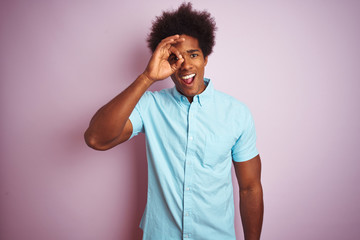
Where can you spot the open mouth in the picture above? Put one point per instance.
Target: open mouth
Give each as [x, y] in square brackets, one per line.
[188, 79]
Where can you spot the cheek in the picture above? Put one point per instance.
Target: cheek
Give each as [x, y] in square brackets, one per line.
[201, 69]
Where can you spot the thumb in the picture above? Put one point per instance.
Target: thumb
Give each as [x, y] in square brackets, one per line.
[175, 66]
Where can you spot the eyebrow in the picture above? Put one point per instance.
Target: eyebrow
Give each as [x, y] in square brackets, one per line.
[192, 51]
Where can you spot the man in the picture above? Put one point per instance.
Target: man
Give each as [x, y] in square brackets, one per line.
[192, 132]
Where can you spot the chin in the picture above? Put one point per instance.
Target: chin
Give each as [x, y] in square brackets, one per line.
[188, 91]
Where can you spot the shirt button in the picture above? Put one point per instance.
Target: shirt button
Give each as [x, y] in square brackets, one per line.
[191, 138]
[186, 236]
[187, 189]
[186, 214]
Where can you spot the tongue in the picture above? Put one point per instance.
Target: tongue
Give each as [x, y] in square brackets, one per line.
[189, 80]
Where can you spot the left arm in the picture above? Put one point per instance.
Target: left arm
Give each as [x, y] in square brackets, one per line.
[248, 174]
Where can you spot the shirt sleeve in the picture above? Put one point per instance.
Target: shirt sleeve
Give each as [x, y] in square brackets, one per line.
[136, 117]
[245, 146]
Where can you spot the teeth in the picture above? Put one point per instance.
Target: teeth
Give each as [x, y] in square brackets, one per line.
[188, 76]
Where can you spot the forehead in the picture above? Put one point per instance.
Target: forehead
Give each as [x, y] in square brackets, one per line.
[190, 43]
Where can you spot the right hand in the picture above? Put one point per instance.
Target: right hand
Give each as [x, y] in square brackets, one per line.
[159, 67]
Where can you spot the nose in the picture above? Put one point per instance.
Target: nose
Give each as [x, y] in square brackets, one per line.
[186, 65]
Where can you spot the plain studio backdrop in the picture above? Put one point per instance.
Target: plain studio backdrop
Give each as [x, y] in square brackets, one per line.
[296, 64]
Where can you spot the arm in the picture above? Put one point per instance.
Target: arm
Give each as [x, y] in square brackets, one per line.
[248, 174]
[110, 125]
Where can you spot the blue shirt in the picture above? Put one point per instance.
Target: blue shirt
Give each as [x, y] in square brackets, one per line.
[190, 148]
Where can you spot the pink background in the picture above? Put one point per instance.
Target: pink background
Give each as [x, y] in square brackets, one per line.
[296, 64]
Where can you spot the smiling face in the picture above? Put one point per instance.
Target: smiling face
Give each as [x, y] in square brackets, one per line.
[189, 78]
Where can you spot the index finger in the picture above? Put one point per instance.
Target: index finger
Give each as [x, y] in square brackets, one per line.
[171, 40]
[175, 51]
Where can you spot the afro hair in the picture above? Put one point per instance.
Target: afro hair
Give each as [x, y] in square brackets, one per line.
[184, 20]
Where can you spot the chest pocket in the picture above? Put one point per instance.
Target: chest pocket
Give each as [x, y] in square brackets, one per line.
[217, 151]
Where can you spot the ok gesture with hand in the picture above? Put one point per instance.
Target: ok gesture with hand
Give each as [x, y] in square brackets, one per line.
[159, 67]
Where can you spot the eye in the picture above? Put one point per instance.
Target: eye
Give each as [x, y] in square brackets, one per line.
[173, 57]
[193, 55]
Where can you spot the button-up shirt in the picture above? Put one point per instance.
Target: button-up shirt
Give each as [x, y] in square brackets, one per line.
[190, 148]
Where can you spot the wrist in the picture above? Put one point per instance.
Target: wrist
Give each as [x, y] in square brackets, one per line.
[146, 79]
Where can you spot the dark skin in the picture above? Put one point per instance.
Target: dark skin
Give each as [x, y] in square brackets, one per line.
[178, 57]
[248, 174]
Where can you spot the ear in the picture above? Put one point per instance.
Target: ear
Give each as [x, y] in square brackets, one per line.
[206, 60]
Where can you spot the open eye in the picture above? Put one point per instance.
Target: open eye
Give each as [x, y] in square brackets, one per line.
[173, 58]
[193, 55]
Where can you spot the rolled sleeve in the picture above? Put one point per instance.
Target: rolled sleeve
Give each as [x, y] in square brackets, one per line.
[136, 115]
[137, 123]
[245, 146]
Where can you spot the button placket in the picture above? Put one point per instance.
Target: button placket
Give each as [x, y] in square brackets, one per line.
[190, 150]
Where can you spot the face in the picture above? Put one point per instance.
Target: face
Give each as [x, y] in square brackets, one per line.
[189, 78]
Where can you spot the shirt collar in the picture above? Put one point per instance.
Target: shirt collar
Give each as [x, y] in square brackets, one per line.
[202, 98]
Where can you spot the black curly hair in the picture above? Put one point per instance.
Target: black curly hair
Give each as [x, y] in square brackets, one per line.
[184, 20]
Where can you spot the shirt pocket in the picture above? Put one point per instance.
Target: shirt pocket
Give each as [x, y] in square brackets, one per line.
[217, 151]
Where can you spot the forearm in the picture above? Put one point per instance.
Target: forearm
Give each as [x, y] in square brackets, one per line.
[109, 121]
[252, 210]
